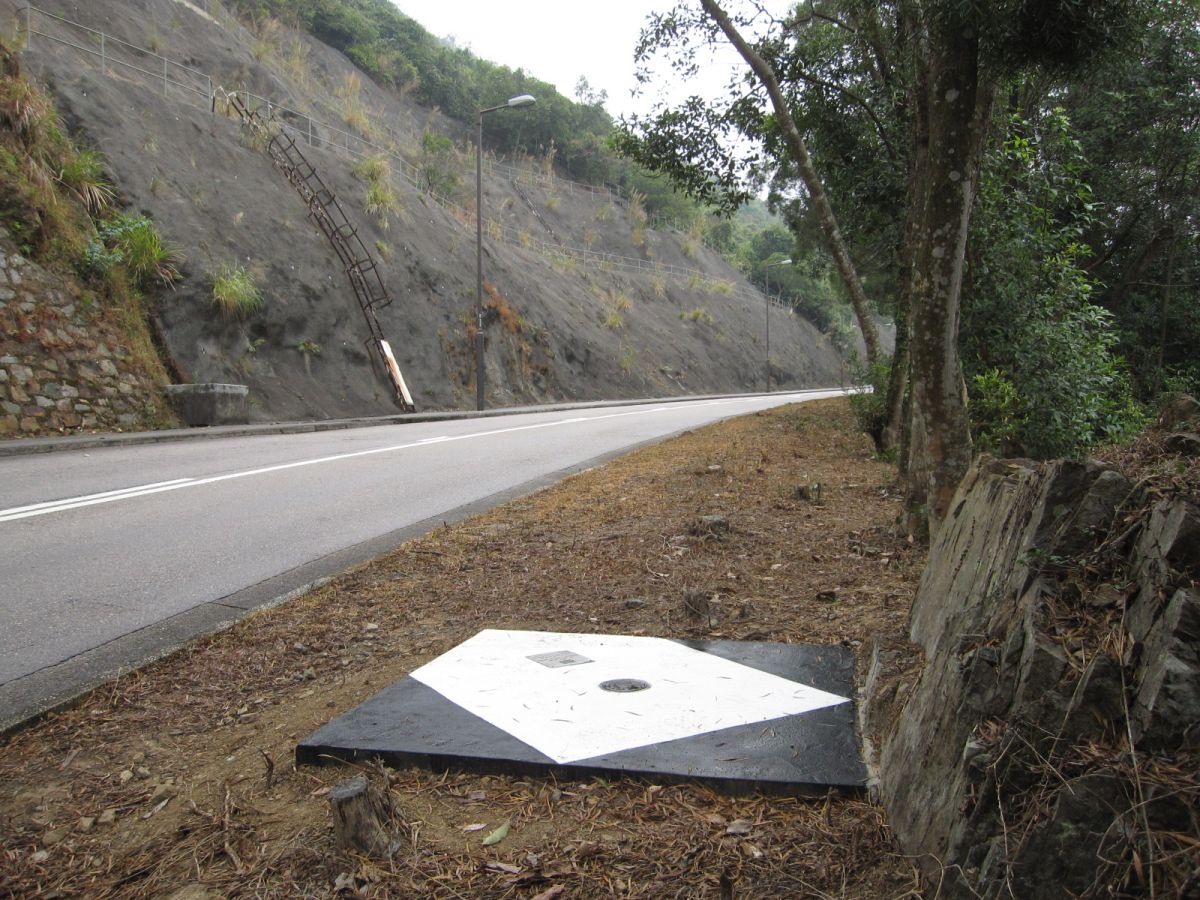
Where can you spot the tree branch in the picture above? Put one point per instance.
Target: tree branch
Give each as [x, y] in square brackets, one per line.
[858, 101]
[816, 190]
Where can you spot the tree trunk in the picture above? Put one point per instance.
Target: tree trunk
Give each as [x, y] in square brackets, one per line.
[959, 100]
[912, 104]
[816, 191]
[894, 434]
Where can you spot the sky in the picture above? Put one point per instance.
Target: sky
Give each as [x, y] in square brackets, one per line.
[557, 42]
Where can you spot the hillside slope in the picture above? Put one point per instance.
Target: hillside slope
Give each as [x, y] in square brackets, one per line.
[560, 328]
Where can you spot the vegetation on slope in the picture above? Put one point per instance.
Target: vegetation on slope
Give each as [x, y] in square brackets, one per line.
[573, 135]
[57, 205]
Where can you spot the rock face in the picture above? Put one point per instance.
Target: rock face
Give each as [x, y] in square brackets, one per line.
[64, 368]
[1059, 621]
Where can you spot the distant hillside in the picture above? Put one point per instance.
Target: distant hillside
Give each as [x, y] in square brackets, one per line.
[585, 299]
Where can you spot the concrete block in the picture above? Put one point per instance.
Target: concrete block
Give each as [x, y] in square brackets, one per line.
[210, 404]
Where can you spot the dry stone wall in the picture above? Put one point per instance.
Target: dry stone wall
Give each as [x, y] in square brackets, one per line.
[1059, 623]
[63, 367]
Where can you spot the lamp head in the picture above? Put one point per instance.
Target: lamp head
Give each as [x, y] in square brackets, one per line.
[522, 100]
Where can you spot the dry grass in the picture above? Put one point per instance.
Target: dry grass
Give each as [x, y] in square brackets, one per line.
[181, 774]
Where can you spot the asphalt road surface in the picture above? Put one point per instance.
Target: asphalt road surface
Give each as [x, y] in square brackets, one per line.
[113, 556]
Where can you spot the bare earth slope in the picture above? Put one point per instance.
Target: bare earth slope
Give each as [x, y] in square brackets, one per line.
[563, 329]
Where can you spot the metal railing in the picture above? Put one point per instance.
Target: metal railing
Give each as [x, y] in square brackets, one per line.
[180, 83]
[114, 53]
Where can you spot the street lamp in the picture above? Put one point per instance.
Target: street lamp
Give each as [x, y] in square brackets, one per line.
[520, 100]
[767, 275]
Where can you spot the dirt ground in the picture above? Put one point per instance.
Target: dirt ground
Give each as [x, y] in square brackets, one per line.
[178, 781]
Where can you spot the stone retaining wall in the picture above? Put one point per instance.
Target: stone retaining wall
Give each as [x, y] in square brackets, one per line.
[63, 367]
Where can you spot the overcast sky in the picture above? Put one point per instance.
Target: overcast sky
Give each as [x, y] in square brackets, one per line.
[556, 41]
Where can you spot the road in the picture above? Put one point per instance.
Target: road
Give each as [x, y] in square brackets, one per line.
[110, 557]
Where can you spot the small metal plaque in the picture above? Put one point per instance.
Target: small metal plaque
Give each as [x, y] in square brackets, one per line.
[624, 685]
[559, 658]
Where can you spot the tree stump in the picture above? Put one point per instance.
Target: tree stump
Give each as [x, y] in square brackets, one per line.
[361, 817]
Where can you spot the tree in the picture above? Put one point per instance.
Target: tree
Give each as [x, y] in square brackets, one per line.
[940, 62]
[1137, 120]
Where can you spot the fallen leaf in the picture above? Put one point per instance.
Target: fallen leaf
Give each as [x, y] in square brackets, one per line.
[158, 808]
[496, 836]
[475, 826]
[550, 893]
[503, 867]
[739, 826]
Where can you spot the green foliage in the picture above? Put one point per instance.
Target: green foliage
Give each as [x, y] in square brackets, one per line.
[868, 401]
[438, 164]
[394, 50]
[1028, 309]
[371, 168]
[379, 198]
[83, 173]
[135, 244]
[697, 314]
[235, 293]
[1138, 121]
[995, 409]
[50, 189]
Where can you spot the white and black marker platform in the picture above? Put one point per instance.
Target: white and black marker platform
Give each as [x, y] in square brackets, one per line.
[739, 715]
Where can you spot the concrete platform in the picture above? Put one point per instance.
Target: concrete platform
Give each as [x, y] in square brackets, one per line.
[736, 715]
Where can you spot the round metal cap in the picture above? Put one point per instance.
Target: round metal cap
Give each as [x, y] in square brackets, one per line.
[624, 685]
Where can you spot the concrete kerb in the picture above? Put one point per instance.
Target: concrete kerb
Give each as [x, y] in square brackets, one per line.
[23, 446]
[26, 700]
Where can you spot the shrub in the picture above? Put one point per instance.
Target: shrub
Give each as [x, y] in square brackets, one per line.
[995, 411]
[379, 200]
[628, 359]
[698, 314]
[438, 165]
[372, 168]
[235, 293]
[83, 173]
[349, 94]
[868, 402]
[132, 242]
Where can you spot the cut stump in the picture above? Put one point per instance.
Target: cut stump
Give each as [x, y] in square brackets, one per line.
[361, 817]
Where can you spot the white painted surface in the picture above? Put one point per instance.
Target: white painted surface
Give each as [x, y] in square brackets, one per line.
[563, 713]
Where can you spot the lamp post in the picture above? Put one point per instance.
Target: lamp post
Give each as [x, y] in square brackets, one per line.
[520, 100]
[767, 274]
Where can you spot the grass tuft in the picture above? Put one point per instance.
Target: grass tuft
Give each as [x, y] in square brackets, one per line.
[235, 293]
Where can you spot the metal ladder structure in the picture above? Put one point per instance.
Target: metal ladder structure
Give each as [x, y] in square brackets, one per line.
[533, 209]
[328, 215]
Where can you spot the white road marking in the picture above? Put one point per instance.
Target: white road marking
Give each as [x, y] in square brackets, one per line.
[158, 487]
